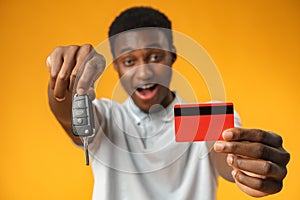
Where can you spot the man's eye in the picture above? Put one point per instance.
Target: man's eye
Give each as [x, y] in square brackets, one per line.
[128, 62]
[155, 57]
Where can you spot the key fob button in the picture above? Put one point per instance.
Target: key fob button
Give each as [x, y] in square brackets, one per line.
[80, 113]
[79, 121]
[79, 104]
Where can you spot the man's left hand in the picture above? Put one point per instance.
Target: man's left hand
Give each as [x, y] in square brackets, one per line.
[257, 158]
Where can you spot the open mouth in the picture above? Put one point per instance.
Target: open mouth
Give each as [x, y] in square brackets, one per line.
[146, 91]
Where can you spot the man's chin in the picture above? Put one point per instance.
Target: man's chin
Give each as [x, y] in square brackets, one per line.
[143, 105]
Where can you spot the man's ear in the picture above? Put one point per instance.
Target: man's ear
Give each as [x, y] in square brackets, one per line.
[174, 53]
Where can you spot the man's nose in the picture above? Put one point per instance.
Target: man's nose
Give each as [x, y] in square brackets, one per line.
[144, 72]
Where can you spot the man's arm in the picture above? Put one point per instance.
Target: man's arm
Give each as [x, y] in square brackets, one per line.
[254, 159]
[68, 66]
[62, 112]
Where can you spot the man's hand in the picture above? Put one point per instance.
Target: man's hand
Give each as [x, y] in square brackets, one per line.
[257, 158]
[70, 65]
[64, 65]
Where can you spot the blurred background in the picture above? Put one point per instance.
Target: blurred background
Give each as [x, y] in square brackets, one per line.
[255, 45]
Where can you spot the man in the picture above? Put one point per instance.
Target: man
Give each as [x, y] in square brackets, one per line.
[134, 155]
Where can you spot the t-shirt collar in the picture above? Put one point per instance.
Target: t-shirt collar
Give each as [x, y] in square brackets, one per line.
[140, 115]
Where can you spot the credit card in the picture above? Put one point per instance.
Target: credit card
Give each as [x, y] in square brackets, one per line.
[202, 122]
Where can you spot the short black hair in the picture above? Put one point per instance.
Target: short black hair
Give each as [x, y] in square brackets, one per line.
[140, 17]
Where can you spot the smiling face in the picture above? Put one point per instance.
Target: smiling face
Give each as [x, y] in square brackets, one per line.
[143, 61]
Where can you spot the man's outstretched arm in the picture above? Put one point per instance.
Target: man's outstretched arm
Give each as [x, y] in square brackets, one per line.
[67, 66]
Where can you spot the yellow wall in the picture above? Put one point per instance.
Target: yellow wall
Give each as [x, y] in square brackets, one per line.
[254, 43]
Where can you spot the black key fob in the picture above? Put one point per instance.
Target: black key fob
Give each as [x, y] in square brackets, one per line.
[82, 116]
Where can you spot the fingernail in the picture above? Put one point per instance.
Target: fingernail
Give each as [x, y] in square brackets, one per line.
[219, 146]
[60, 99]
[233, 173]
[227, 135]
[80, 91]
[229, 159]
[48, 60]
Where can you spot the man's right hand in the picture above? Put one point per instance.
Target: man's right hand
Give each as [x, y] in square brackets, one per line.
[64, 65]
[71, 68]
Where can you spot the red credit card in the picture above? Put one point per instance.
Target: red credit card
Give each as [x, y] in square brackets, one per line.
[202, 122]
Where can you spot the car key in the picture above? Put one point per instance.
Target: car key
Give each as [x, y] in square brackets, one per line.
[83, 120]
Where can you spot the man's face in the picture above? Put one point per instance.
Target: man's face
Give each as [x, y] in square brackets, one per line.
[144, 66]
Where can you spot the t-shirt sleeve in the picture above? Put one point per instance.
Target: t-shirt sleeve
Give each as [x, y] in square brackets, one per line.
[237, 119]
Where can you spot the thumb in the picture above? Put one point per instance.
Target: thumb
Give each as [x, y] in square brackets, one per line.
[91, 72]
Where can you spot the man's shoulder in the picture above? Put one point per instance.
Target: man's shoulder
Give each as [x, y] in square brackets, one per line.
[106, 102]
[106, 106]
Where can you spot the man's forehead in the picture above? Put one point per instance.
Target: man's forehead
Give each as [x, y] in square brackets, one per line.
[140, 39]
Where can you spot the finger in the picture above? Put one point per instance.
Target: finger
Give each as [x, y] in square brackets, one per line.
[56, 60]
[253, 150]
[83, 54]
[269, 185]
[48, 63]
[63, 78]
[260, 167]
[92, 93]
[253, 135]
[251, 191]
[92, 70]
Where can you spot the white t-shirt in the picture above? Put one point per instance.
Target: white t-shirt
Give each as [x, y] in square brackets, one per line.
[134, 156]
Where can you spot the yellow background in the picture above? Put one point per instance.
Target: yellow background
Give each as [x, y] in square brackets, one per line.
[255, 44]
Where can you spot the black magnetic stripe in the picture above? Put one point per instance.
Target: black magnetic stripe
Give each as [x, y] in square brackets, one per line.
[206, 110]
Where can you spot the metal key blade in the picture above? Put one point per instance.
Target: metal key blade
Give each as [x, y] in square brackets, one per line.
[86, 150]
